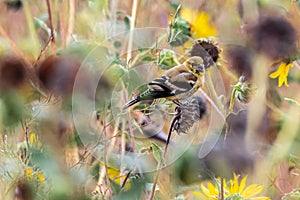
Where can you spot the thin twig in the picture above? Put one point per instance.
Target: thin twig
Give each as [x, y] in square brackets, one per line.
[164, 155]
[71, 21]
[222, 189]
[211, 88]
[212, 103]
[129, 121]
[155, 182]
[132, 26]
[52, 38]
[29, 66]
[62, 24]
[43, 50]
[14, 46]
[123, 148]
[32, 31]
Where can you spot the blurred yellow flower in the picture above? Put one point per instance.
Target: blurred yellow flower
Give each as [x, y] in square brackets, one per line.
[200, 22]
[28, 173]
[40, 177]
[232, 190]
[282, 73]
[115, 176]
[34, 140]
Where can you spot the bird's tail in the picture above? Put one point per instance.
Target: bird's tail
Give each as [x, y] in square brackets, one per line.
[130, 103]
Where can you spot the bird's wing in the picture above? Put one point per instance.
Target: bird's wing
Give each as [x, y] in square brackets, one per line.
[177, 84]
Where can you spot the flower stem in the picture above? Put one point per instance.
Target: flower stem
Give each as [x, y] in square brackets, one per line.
[232, 98]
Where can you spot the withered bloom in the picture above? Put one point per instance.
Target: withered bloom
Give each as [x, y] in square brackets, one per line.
[274, 36]
[14, 5]
[240, 59]
[189, 113]
[12, 72]
[207, 49]
[58, 74]
[23, 190]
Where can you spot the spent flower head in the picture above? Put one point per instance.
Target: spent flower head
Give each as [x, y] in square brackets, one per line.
[207, 49]
[189, 113]
[274, 36]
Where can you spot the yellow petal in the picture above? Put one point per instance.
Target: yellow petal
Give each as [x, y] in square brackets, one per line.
[252, 190]
[261, 198]
[32, 138]
[243, 184]
[211, 188]
[188, 15]
[279, 71]
[200, 195]
[235, 184]
[203, 27]
[205, 190]
[281, 80]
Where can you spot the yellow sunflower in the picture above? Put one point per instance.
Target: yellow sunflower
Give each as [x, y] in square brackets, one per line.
[233, 190]
[201, 23]
[282, 73]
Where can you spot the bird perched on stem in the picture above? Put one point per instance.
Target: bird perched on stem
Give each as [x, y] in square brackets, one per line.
[179, 82]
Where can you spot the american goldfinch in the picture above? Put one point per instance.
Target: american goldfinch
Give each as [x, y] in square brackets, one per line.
[179, 82]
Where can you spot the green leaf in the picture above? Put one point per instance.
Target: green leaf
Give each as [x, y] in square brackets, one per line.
[116, 188]
[157, 152]
[39, 23]
[127, 21]
[291, 101]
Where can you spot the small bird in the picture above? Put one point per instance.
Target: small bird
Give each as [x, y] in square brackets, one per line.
[179, 82]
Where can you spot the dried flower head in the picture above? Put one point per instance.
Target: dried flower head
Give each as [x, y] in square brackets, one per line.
[207, 49]
[58, 74]
[275, 37]
[240, 59]
[12, 72]
[189, 113]
[14, 5]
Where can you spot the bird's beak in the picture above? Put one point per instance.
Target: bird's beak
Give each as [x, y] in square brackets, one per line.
[199, 68]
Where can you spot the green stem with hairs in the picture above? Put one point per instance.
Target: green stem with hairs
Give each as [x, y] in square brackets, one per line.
[232, 98]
